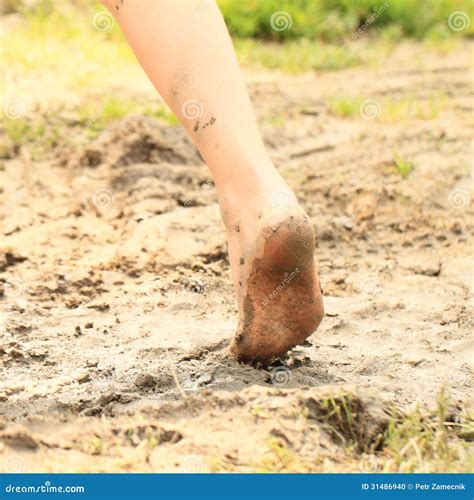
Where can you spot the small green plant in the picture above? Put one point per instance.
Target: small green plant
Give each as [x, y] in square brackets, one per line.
[96, 116]
[162, 113]
[345, 107]
[402, 166]
[21, 131]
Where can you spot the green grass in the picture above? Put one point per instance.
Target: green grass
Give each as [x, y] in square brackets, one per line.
[84, 121]
[403, 166]
[21, 131]
[96, 115]
[420, 440]
[344, 106]
[40, 135]
[326, 20]
[61, 35]
[296, 56]
[332, 21]
[389, 110]
[423, 441]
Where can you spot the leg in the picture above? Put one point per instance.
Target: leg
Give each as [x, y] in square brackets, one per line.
[186, 51]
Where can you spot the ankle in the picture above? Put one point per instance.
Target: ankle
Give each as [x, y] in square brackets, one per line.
[259, 197]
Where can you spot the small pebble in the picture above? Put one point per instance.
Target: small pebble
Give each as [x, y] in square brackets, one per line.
[83, 377]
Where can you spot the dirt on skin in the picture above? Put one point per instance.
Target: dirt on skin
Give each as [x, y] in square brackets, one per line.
[116, 300]
[283, 304]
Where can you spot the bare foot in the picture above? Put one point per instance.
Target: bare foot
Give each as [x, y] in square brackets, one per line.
[271, 251]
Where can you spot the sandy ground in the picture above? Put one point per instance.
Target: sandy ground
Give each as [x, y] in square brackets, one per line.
[116, 298]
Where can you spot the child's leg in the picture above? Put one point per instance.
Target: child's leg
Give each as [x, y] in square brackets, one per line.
[186, 51]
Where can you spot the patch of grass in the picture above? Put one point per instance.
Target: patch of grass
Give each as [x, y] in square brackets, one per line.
[40, 135]
[388, 110]
[332, 21]
[403, 166]
[435, 441]
[62, 35]
[21, 131]
[406, 108]
[97, 115]
[315, 19]
[297, 56]
[345, 106]
[162, 113]
[419, 440]
[280, 458]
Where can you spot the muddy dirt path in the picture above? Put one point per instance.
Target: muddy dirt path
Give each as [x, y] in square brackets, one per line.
[115, 286]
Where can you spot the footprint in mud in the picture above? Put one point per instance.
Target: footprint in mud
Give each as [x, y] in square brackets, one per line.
[213, 367]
